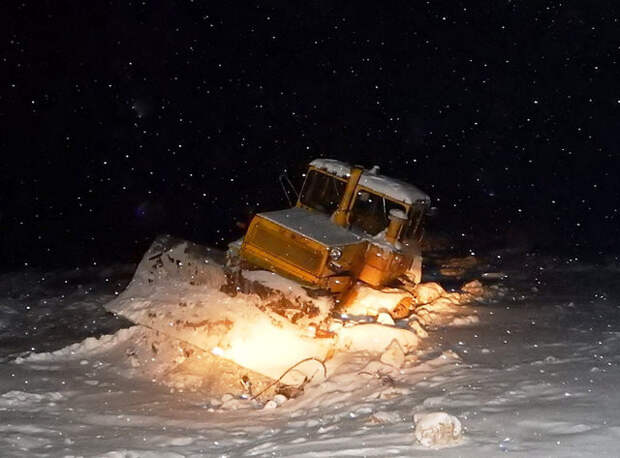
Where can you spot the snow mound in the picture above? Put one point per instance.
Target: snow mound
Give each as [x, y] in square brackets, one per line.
[90, 346]
[178, 290]
[437, 429]
[183, 292]
[182, 261]
[201, 329]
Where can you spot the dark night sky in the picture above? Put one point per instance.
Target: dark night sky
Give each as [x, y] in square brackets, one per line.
[121, 120]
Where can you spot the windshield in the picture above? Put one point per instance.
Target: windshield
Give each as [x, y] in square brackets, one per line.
[370, 212]
[322, 192]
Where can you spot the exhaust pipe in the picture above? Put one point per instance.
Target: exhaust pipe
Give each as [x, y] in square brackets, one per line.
[341, 215]
[397, 222]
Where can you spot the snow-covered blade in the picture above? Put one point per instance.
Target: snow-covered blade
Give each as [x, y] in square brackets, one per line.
[178, 290]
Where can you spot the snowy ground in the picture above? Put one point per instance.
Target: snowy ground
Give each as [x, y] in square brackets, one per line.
[537, 375]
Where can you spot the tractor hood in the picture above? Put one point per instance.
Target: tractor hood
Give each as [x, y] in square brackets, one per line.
[304, 246]
[313, 225]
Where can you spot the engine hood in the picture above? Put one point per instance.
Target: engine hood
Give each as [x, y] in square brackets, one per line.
[314, 226]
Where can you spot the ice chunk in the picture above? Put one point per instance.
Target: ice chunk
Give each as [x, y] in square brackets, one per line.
[428, 292]
[385, 318]
[437, 429]
[376, 338]
[474, 288]
[465, 320]
[417, 328]
[365, 300]
[271, 404]
[393, 355]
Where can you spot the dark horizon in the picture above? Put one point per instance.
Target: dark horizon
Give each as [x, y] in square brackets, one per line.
[122, 122]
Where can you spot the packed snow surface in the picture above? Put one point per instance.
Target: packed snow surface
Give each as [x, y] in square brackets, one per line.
[533, 371]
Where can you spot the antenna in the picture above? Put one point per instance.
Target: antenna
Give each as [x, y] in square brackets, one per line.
[284, 180]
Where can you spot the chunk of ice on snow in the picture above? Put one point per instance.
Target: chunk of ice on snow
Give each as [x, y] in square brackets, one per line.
[385, 318]
[428, 292]
[417, 328]
[271, 404]
[437, 429]
[393, 355]
[373, 337]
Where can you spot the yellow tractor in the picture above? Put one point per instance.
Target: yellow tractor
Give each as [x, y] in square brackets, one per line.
[349, 225]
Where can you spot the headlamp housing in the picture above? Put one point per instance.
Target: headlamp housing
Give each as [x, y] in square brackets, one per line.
[335, 254]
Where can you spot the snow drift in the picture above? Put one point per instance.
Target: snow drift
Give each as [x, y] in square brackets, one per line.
[261, 322]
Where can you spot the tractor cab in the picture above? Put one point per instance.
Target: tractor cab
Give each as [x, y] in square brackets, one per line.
[375, 197]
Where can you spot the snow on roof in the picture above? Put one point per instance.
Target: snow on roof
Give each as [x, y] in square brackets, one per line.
[391, 187]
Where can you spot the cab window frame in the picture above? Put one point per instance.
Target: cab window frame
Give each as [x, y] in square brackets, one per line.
[396, 204]
[308, 205]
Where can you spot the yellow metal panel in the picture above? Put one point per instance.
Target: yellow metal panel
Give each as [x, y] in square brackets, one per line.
[372, 275]
[262, 259]
[275, 248]
[383, 266]
[353, 257]
[337, 283]
[287, 246]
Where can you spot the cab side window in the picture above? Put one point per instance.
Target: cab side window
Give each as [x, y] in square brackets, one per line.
[322, 192]
[370, 212]
[415, 231]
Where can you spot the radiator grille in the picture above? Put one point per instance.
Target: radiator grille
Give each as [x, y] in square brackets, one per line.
[286, 247]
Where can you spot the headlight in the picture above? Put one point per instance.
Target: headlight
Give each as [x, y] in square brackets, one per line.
[335, 254]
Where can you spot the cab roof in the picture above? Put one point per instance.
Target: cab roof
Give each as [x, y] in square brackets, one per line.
[391, 187]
